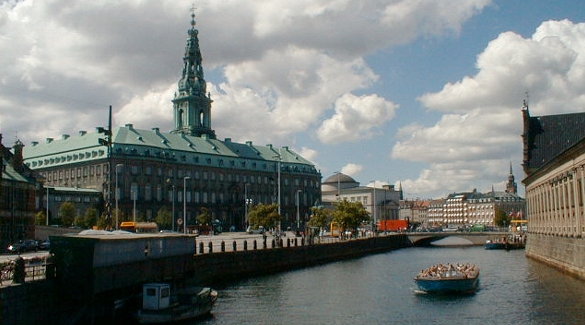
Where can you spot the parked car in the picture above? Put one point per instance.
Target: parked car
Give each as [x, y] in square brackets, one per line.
[260, 230]
[46, 245]
[23, 246]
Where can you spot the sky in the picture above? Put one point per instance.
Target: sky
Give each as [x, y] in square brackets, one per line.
[421, 94]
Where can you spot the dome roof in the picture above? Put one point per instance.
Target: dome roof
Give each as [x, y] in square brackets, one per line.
[341, 178]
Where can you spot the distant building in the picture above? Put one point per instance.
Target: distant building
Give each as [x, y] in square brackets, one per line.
[19, 201]
[381, 202]
[554, 164]
[184, 170]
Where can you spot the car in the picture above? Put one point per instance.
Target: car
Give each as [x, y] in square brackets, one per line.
[46, 245]
[23, 246]
[260, 230]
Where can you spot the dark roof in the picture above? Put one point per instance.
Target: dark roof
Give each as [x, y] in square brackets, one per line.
[549, 136]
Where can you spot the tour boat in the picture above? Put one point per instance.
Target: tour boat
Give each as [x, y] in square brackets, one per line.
[159, 306]
[448, 278]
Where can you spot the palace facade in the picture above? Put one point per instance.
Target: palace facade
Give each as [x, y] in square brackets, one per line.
[184, 170]
[554, 164]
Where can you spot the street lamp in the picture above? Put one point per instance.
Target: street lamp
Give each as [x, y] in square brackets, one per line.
[279, 158]
[173, 204]
[246, 205]
[338, 186]
[134, 195]
[298, 208]
[185, 203]
[374, 203]
[118, 169]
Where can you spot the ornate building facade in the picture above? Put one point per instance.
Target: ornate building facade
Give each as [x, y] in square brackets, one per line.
[185, 170]
[554, 164]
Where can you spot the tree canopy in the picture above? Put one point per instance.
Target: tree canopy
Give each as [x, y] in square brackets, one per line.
[320, 217]
[350, 215]
[265, 215]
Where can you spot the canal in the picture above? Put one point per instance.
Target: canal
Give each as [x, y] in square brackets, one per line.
[379, 289]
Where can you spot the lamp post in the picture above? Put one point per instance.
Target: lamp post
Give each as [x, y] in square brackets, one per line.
[133, 192]
[185, 203]
[338, 186]
[298, 209]
[47, 205]
[375, 208]
[246, 205]
[173, 203]
[279, 158]
[118, 169]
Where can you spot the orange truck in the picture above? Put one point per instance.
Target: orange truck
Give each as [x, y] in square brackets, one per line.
[392, 225]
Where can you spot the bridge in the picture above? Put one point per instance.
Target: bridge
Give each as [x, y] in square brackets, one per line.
[421, 239]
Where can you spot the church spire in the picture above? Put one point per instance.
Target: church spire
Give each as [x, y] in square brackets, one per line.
[511, 186]
[192, 103]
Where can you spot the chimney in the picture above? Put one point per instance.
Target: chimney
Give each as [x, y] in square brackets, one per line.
[17, 160]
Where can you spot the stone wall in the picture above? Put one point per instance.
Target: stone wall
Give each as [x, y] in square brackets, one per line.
[562, 252]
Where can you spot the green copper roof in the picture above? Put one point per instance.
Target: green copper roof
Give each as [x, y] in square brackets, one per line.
[155, 145]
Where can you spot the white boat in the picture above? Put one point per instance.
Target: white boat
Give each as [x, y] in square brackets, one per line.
[159, 305]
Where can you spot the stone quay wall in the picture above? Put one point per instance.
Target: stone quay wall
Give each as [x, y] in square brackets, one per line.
[43, 302]
[563, 252]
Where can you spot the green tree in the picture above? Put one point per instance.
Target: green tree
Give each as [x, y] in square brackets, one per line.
[501, 219]
[350, 215]
[90, 218]
[103, 222]
[67, 213]
[41, 218]
[164, 218]
[265, 215]
[204, 218]
[320, 217]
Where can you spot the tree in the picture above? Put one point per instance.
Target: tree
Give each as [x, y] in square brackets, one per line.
[204, 218]
[41, 218]
[67, 213]
[265, 215]
[320, 217]
[90, 218]
[350, 215]
[501, 219]
[164, 218]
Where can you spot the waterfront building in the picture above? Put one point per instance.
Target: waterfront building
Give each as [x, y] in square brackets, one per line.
[18, 196]
[185, 170]
[81, 198]
[554, 164]
[382, 201]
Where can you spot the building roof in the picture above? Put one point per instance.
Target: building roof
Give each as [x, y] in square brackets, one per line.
[155, 145]
[546, 137]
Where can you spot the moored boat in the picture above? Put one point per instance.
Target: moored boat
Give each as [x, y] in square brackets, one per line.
[506, 242]
[448, 278]
[160, 306]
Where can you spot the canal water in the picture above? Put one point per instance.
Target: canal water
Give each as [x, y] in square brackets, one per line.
[379, 289]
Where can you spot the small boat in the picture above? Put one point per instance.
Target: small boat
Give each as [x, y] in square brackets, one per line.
[448, 278]
[160, 306]
[506, 242]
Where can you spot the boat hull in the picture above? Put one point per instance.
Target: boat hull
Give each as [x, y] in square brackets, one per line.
[180, 312]
[447, 285]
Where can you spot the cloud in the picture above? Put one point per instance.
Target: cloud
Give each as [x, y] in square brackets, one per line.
[352, 169]
[481, 125]
[356, 118]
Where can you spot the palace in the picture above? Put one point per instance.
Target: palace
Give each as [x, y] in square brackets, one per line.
[185, 170]
[554, 163]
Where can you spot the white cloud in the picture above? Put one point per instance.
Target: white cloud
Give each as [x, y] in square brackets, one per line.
[482, 123]
[356, 118]
[352, 169]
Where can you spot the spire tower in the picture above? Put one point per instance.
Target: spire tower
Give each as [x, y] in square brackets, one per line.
[192, 103]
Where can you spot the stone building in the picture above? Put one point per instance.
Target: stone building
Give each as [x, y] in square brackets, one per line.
[554, 164]
[19, 199]
[382, 201]
[184, 170]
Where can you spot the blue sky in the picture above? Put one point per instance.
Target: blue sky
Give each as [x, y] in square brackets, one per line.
[422, 93]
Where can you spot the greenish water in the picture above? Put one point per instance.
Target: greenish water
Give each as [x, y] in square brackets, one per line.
[379, 289]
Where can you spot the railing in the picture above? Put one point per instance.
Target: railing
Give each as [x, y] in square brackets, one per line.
[34, 269]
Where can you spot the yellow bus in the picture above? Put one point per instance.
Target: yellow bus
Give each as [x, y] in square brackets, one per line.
[139, 227]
